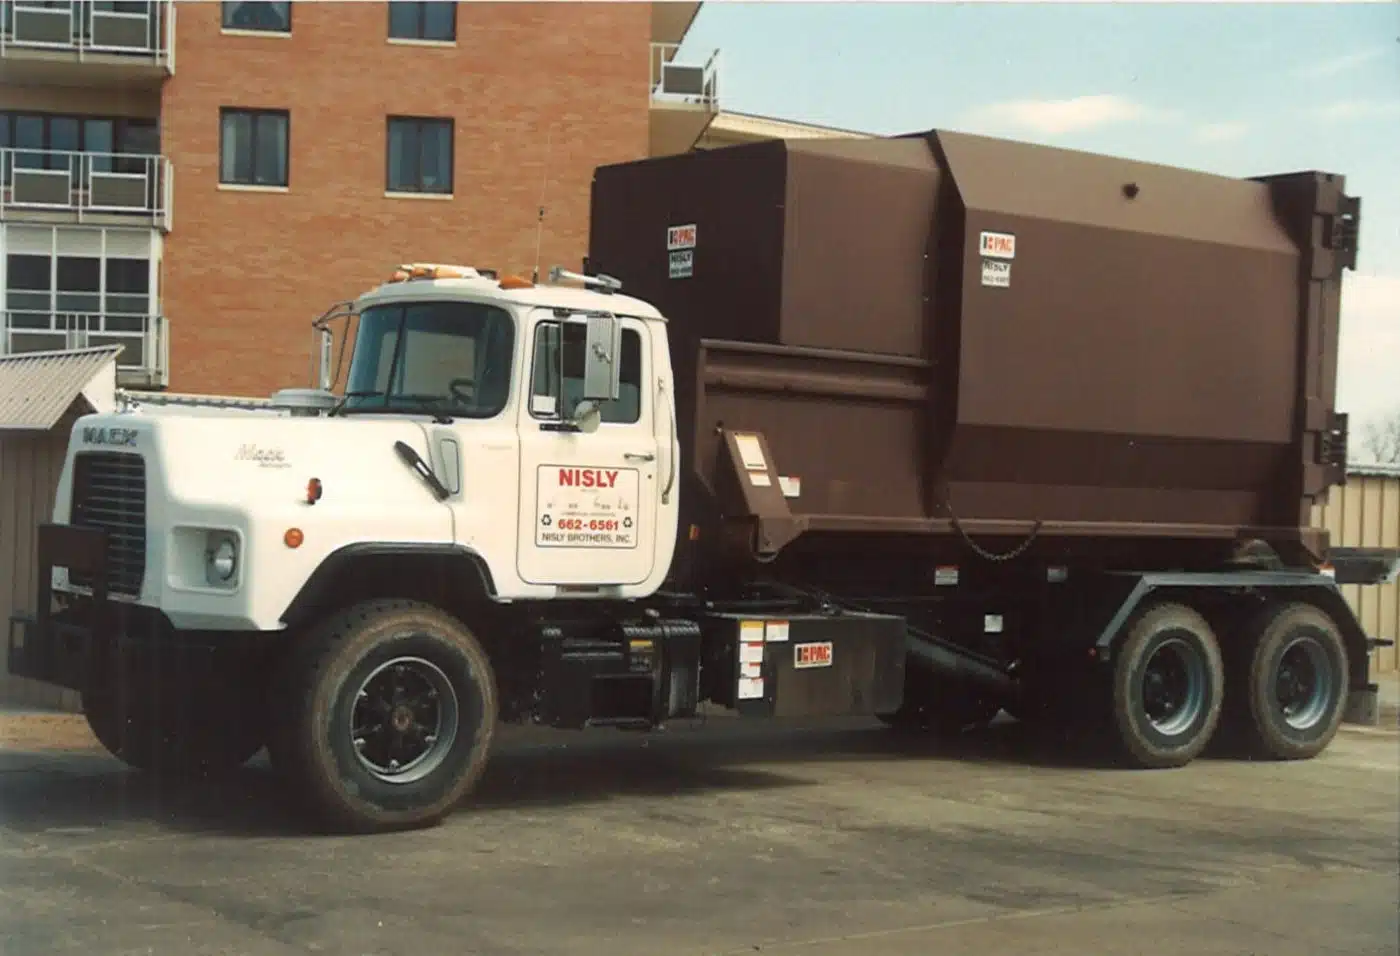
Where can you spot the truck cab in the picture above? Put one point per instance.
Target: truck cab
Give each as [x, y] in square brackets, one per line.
[548, 416]
[525, 429]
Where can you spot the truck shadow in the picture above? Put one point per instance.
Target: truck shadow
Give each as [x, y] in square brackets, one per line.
[79, 792]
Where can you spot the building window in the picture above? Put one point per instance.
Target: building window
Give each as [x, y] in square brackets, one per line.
[29, 284]
[423, 21]
[253, 147]
[128, 287]
[48, 140]
[259, 15]
[420, 155]
[51, 300]
[549, 400]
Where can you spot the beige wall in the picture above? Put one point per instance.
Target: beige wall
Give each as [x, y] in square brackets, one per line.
[1366, 513]
[30, 464]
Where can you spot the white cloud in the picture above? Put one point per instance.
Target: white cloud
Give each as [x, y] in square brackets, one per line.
[1368, 353]
[1052, 117]
[1344, 110]
[1221, 132]
[1340, 64]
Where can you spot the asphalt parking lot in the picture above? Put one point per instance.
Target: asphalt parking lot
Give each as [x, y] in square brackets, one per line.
[815, 841]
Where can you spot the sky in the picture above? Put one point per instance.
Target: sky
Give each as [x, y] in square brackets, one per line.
[1235, 89]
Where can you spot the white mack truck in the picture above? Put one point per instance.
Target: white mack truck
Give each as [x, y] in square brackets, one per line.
[543, 502]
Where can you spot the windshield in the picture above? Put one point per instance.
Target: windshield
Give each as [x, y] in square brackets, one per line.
[449, 357]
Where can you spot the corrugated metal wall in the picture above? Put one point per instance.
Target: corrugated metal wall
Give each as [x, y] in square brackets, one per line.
[30, 464]
[1365, 513]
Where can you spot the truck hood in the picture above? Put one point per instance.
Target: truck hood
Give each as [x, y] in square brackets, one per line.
[253, 459]
[245, 476]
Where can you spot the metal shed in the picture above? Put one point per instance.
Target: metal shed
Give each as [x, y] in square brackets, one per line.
[41, 395]
[1365, 513]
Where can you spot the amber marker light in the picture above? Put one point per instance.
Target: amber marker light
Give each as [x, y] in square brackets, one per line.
[313, 491]
[293, 538]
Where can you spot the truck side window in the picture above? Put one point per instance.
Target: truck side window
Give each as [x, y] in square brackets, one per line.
[546, 400]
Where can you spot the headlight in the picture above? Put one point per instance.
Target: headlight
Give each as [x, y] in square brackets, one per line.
[221, 560]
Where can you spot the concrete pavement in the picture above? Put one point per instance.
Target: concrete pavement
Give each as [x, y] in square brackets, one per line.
[822, 840]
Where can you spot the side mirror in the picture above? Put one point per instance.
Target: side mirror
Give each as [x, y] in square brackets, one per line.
[325, 348]
[591, 351]
[587, 416]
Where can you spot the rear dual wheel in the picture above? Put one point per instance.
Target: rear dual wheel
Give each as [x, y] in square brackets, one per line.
[1167, 687]
[1288, 694]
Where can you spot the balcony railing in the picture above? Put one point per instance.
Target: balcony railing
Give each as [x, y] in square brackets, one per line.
[87, 184]
[143, 361]
[141, 29]
[683, 84]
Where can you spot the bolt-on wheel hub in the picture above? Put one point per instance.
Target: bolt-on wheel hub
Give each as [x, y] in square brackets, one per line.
[404, 720]
[1303, 684]
[1174, 687]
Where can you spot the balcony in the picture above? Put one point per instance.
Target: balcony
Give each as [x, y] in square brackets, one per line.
[671, 20]
[684, 99]
[85, 43]
[144, 361]
[58, 186]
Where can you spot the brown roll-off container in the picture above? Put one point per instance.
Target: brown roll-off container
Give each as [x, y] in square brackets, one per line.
[966, 344]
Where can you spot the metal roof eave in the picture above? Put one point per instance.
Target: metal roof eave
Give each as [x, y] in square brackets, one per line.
[38, 389]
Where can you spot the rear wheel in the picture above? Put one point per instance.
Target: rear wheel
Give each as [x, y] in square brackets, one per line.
[385, 715]
[1292, 695]
[1167, 688]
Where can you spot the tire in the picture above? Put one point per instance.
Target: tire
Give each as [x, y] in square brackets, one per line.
[1168, 686]
[188, 734]
[1299, 647]
[431, 681]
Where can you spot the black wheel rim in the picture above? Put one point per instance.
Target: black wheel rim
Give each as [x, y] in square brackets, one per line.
[1174, 687]
[1303, 683]
[404, 720]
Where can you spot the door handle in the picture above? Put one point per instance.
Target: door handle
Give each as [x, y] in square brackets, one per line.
[639, 456]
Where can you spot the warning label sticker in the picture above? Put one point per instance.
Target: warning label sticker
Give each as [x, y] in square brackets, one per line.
[586, 507]
[750, 688]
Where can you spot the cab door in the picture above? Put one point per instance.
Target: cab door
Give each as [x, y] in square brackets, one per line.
[588, 501]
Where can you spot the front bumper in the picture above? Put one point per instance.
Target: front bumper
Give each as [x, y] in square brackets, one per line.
[62, 646]
[93, 639]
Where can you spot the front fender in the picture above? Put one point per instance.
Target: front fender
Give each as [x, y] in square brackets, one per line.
[327, 585]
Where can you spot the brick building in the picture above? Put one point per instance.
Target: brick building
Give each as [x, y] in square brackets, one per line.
[198, 182]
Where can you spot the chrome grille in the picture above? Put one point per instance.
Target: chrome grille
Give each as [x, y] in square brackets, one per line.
[109, 492]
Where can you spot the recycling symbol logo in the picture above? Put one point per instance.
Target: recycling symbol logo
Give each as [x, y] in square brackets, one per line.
[546, 521]
[627, 522]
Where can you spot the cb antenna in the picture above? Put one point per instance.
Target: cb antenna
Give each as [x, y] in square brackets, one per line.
[544, 188]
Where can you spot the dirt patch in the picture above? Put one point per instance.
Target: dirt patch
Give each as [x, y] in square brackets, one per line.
[35, 733]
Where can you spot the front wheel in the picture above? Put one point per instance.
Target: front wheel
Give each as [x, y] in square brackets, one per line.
[385, 716]
[1168, 685]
